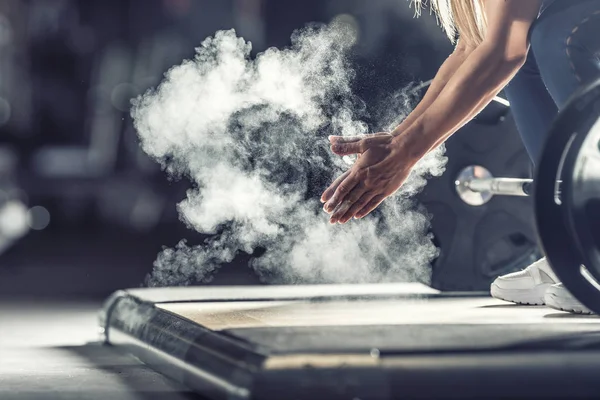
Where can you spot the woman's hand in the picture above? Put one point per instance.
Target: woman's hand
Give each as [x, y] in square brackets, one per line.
[384, 164]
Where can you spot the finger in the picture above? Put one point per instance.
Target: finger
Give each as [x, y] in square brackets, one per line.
[332, 188]
[355, 195]
[356, 207]
[346, 139]
[355, 138]
[343, 189]
[346, 149]
[371, 205]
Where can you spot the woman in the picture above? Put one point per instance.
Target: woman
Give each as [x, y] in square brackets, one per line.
[539, 51]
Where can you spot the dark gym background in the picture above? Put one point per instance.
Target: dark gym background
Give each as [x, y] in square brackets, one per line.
[67, 147]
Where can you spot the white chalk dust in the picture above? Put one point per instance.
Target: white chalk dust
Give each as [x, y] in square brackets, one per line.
[251, 134]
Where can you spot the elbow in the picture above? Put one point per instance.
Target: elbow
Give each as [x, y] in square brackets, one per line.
[508, 59]
[516, 57]
[464, 49]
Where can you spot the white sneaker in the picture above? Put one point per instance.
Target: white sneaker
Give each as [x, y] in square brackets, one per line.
[559, 298]
[525, 287]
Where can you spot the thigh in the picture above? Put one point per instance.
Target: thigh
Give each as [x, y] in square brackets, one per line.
[566, 45]
[532, 106]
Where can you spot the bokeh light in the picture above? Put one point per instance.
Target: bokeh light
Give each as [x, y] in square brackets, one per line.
[38, 218]
[13, 219]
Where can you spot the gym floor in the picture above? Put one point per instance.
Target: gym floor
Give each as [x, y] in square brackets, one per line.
[51, 350]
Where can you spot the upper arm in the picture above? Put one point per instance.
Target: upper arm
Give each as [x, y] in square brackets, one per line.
[508, 24]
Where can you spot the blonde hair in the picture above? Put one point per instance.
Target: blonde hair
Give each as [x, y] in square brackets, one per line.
[458, 18]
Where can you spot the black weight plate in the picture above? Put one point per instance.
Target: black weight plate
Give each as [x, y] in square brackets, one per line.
[581, 185]
[550, 210]
[479, 243]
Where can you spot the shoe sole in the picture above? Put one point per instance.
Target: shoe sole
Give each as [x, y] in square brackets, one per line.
[568, 305]
[526, 297]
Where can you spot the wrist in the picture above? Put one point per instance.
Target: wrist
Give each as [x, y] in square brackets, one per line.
[413, 142]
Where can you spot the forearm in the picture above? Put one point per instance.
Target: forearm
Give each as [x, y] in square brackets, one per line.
[474, 85]
[446, 71]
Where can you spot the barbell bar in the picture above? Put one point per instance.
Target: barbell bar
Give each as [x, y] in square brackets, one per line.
[476, 185]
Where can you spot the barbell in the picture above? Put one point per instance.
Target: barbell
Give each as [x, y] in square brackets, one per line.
[566, 193]
[476, 185]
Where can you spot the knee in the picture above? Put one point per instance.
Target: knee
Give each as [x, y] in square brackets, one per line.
[582, 48]
[568, 49]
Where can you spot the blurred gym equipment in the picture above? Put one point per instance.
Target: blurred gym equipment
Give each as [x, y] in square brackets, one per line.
[16, 217]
